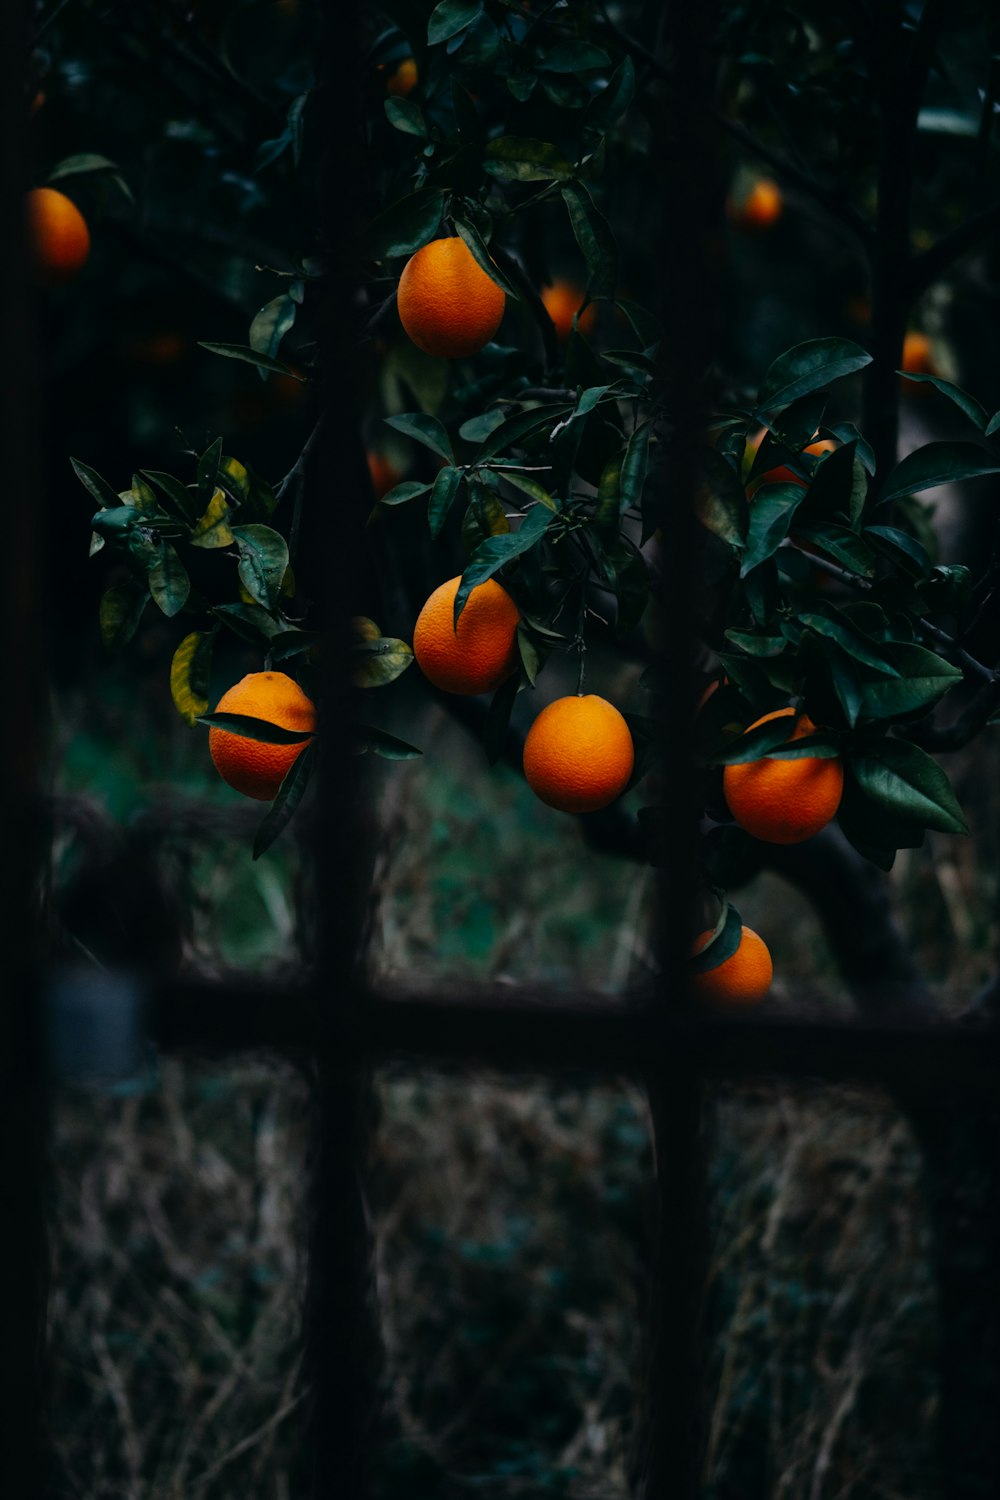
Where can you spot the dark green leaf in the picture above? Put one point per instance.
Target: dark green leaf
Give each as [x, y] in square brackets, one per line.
[771, 513]
[384, 744]
[934, 464]
[450, 17]
[634, 468]
[514, 158]
[250, 357]
[290, 794]
[120, 611]
[184, 501]
[250, 622]
[808, 367]
[901, 548]
[443, 495]
[529, 487]
[515, 429]
[245, 727]
[844, 546]
[96, 487]
[115, 523]
[168, 581]
[498, 717]
[426, 430]
[906, 782]
[608, 509]
[263, 561]
[721, 504]
[478, 429]
[495, 551]
[408, 490]
[966, 403]
[483, 258]
[609, 105]
[723, 943]
[595, 237]
[406, 116]
[833, 624]
[406, 225]
[573, 57]
[924, 677]
[272, 323]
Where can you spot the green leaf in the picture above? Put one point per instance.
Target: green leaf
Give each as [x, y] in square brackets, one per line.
[608, 509]
[426, 430]
[495, 551]
[573, 57]
[189, 671]
[183, 500]
[723, 943]
[721, 503]
[772, 740]
[97, 488]
[271, 324]
[289, 795]
[514, 158]
[385, 744]
[906, 782]
[634, 468]
[451, 17]
[168, 581]
[407, 116]
[379, 661]
[872, 829]
[846, 682]
[212, 528]
[629, 578]
[595, 237]
[966, 403]
[754, 644]
[408, 490]
[771, 513]
[245, 727]
[993, 425]
[250, 622]
[208, 470]
[288, 643]
[115, 523]
[901, 548]
[484, 517]
[924, 677]
[808, 367]
[250, 357]
[406, 225]
[837, 626]
[263, 560]
[483, 259]
[934, 464]
[478, 429]
[498, 717]
[528, 487]
[609, 105]
[120, 611]
[515, 429]
[443, 495]
[838, 542]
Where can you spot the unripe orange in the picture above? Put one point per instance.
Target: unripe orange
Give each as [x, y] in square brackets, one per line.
[578, 755]
[447, 303]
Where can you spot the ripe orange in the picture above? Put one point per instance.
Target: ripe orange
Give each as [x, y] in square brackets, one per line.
[60, 239]
[482, 653]
[250, 766]
[561, 301]
[761, 207]
[744, 978]
[384, 476]
[917, 359]
[404, 80]
[447, 303]
[578, 755]
[784, 801]
[783, 474]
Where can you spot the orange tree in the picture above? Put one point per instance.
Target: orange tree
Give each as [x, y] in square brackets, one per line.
[509, 146]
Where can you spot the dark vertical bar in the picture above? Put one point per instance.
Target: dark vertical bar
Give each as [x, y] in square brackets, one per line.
[333, 572]
[22, 1107]
[690, 249]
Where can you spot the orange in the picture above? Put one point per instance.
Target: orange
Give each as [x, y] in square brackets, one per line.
[784, 801]
[578, 755]
[783, 474]
[761, 207]
[447, 303]
[917, 359]
[384, 476]
[744, 978]
[482, 653]
[60, 239]
[404, 80]
[251, 766]
[562, 299]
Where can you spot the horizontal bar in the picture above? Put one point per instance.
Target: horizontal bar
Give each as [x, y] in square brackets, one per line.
[511, 1027]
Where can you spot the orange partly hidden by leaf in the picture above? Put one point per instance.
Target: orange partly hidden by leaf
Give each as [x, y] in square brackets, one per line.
[482, 652]
[60, 239]
[251, 766]
[578, 755]
[447, 303]
[404, 80]
[561, 300]
[759, 209]
[784, 801]
[383, 475]
[744, 978]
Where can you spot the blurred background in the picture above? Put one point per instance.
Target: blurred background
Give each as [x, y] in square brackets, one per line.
[512, 1216]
